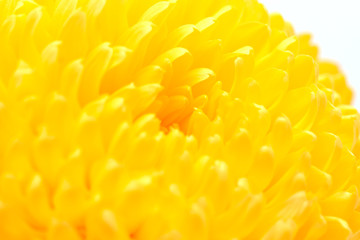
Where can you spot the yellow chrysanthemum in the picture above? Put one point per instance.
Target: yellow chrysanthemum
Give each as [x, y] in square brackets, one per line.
[178, 119]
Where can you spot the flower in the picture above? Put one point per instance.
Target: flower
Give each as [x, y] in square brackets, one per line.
[173, 119]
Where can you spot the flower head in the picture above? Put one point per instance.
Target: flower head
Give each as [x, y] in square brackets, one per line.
[177, 119]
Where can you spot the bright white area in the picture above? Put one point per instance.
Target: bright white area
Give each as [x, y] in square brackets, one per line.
[335, 26]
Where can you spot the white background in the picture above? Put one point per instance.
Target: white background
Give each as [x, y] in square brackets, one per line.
[335, 26]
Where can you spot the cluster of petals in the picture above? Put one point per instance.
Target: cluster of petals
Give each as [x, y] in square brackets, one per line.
[169, 120]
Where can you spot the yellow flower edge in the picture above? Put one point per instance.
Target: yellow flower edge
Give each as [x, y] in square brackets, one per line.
[178, 119]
